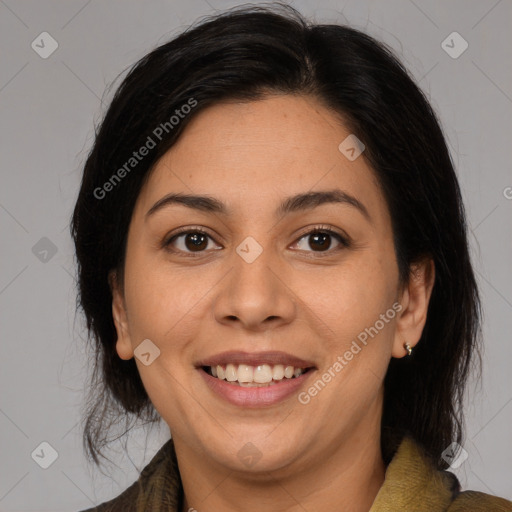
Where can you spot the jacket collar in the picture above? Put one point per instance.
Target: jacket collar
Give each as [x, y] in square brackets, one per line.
[413, 483]
[160, 488]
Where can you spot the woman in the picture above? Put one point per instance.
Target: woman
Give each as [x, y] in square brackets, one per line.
[273, 259]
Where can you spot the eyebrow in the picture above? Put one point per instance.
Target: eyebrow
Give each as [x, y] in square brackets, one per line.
[298, 202]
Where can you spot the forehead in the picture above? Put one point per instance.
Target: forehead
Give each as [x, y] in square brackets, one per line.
[255, 153]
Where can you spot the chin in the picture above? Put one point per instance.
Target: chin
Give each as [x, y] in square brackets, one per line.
[254, 454]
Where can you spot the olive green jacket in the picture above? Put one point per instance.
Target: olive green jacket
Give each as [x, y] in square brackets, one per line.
[411, 484]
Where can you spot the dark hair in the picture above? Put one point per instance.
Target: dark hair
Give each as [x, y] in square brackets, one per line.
[246, 54]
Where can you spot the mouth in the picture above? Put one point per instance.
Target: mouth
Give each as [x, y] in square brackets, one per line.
[261, 375]
[255, 369]
[255, 379]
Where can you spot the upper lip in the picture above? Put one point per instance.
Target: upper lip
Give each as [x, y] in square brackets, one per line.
[255, 359]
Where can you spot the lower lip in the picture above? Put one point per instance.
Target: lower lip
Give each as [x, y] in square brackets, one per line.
[255, 396]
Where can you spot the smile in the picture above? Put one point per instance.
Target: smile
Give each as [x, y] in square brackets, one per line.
[254, 376]
[254, 394]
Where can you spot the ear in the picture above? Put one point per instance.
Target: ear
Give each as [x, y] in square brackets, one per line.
[415, 297]
[123, 343]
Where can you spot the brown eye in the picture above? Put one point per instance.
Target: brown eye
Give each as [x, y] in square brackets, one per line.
[321, 241]
[196, 241]
[189, 241]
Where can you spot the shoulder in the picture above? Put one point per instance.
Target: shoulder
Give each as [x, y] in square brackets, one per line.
[158, 483]
[125, 502]
[413, 483]
[473, 501]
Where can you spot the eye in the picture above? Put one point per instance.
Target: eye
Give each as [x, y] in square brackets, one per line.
[189, 241]
[320, 239]
[194, 240]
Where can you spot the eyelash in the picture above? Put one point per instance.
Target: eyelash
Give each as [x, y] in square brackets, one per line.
[321, 229]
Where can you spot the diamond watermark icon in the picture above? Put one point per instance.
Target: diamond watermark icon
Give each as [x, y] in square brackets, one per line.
[351, 147]
[146, 352]
[44, 45]
[249, 249]
[44, 250]
[44, 455]
[454, 455]
[454, 45]
[249, 455]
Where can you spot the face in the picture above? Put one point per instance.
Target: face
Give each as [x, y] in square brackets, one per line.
[268, 280]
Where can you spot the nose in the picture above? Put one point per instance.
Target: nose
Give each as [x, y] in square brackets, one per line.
[255, 296]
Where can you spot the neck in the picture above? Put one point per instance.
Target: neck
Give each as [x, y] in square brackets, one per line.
[346, 478]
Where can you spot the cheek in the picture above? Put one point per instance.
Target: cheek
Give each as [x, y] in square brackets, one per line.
[165, 308]
[155, 300]
[351, 297]
[166, 305]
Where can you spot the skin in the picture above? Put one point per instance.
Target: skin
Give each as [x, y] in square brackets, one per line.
[294, 297]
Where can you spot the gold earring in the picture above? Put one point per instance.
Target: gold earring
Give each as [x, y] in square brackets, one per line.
[408, 348]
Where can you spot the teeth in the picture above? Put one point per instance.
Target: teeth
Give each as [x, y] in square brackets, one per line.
[262, 374]
[278, 372]
[245, 373]
[231, 375]
[256, 385]
[251, 376]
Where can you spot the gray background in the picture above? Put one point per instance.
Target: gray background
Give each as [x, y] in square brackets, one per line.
[48, 107]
